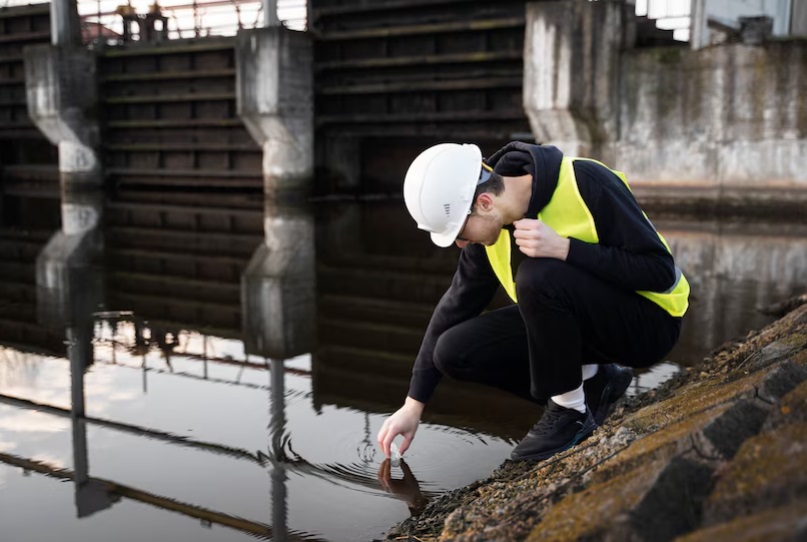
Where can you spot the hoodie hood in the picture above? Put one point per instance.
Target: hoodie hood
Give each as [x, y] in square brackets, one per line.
[540, 161]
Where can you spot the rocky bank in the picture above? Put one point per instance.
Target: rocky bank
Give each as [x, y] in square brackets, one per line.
[718, 453]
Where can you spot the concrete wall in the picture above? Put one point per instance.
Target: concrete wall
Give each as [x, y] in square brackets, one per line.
[734, 114]
[729, 120]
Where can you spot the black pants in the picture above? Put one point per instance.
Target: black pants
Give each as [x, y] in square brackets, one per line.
[565, 318]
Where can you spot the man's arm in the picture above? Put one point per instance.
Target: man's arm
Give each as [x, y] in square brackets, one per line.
[472, 288]
[630, 253]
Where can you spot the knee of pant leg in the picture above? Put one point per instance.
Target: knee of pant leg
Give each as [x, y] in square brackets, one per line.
[541, 276]
[447, 353]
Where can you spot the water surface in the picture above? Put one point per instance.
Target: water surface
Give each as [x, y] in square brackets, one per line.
[195, 428]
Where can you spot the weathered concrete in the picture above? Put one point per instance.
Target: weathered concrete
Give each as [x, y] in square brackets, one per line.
[278, 288]
[722, 122]
[62, 101]
[571, 73]
[70, 284]
[275, 101]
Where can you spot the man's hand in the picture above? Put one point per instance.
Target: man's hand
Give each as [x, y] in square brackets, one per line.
[537, 240]
[404, 422]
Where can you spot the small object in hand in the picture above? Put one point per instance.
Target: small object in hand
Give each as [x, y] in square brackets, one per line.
[394, 455]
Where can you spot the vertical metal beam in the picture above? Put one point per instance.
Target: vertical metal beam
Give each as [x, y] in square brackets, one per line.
[65, 26]
[270, 18]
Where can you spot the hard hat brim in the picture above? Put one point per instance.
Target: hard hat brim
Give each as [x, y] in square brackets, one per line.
[444, 240]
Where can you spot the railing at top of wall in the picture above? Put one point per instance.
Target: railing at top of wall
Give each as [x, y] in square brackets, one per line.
[669, 15]
[116, 21]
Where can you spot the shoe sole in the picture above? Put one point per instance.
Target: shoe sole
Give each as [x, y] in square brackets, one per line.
[613, 391]
[584, 432]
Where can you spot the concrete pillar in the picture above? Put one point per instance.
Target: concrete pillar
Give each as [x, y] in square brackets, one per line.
[571, 73]
[798, 18]
[278, 288]
[60, 86]
[698, 31]
[65, 25]
[275, 101]
[270, 18]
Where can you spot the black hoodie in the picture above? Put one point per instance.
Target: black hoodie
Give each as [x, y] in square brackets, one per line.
[630, 254]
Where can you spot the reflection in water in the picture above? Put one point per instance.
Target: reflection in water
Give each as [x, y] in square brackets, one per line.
[198, 389]
[406, 488]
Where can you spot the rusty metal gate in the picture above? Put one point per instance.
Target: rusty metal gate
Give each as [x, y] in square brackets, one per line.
[169, 120]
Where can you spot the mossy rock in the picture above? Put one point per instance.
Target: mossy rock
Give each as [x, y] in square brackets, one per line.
[791, 409]
[655, 502]
[769, 470]
[784, 524]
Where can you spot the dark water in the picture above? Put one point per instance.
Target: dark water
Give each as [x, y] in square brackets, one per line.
[211, 414]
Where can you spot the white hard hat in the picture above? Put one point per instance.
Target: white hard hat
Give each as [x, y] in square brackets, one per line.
[439, 188]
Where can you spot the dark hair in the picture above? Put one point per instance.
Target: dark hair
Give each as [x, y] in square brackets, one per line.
[494, 185]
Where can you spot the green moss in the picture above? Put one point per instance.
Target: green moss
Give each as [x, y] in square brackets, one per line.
[778, 524]
[586, 513]
[764, 466]
[663, 444]
[693, 399]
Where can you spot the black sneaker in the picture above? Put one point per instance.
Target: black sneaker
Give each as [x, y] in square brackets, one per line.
[605, 388]
[558, 429]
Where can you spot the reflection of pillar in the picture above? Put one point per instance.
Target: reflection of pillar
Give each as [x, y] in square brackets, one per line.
[61, 96]
[277, 429]
[278, 286]
[275, 101]
[90, 497]
[69, 285]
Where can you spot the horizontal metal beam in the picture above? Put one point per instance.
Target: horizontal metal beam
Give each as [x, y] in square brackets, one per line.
[25, 11]
[169, 98]
[184, 235]
[180, 209]
[166, 75]
[455, 116]
[158, 255]
[419, 60]
[221, 174]
[182, 147]
[461, 26]
[378, 6]
[43, 35]
[405, 87]
[10, 59]
[189, 123]
[174, 47]
[190, 182]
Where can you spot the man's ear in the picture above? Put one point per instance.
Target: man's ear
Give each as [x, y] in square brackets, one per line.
[484, 202]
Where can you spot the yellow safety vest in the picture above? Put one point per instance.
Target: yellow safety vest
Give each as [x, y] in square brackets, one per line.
[568, 215]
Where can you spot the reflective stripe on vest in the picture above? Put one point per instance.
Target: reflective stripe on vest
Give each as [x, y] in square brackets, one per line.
[568, 215]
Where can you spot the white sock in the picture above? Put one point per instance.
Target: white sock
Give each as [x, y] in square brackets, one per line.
[590, 370]
[575, 399]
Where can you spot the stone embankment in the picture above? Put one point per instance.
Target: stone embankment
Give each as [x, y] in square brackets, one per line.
[718, 453]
